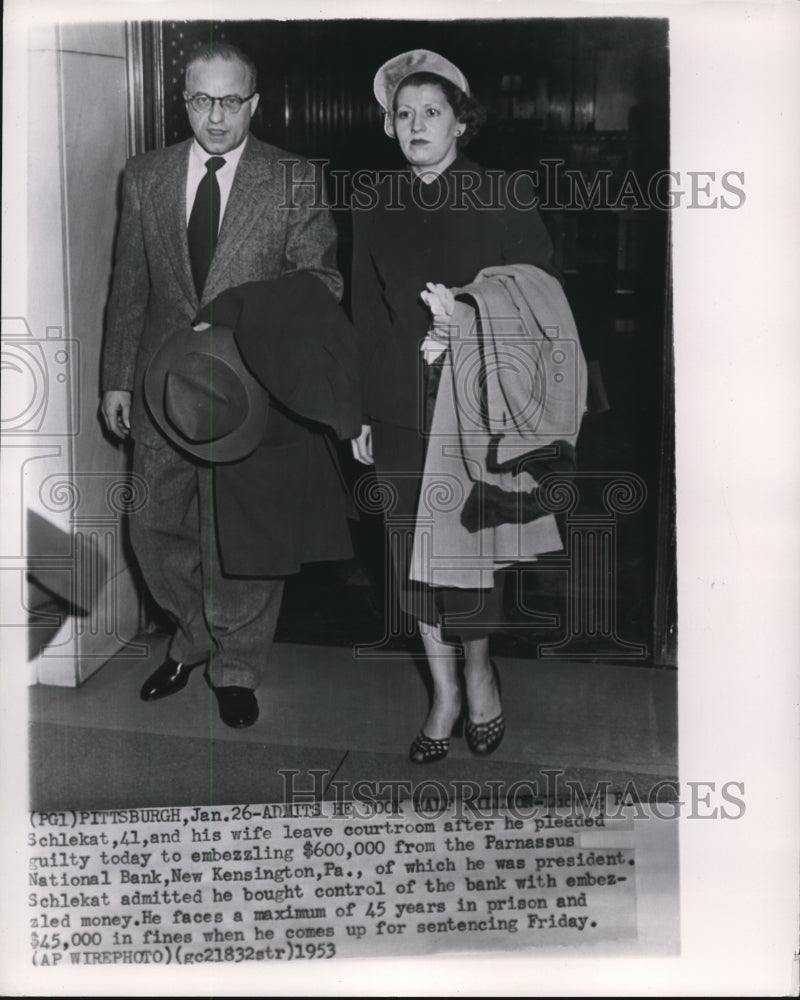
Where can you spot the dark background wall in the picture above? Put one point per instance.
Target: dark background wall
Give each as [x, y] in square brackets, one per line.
[589, 94]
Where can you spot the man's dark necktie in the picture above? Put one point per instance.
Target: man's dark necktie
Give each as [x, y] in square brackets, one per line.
[204, 223]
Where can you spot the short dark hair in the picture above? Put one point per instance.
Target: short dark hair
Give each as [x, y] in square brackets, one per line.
[207, 51]
[466, 109]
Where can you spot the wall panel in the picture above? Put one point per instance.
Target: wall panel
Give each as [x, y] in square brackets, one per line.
[75, 478]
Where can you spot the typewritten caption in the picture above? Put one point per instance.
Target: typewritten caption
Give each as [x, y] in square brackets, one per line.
[286, 883]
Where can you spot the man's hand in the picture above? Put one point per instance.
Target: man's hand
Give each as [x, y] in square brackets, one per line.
[362, 446]
[116, 409]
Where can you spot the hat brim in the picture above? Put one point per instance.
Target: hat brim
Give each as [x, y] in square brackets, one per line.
[217, 342]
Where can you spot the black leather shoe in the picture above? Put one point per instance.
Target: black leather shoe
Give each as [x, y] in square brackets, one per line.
[237, 706]
[170, 678]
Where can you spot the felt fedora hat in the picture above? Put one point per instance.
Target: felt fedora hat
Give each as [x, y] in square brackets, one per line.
[395, 70]
[202, 396]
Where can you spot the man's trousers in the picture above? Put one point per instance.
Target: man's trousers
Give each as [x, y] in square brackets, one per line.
[227, 622]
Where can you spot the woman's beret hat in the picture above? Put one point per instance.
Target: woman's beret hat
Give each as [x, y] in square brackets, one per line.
[392, 73]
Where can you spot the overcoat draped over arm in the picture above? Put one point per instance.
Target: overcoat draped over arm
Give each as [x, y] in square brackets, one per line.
[508, 411]
[286, 504]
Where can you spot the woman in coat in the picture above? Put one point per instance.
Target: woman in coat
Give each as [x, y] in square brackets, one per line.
[424, 231]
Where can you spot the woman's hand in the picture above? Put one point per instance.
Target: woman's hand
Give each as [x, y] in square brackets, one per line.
[362, 446]
[441, 302]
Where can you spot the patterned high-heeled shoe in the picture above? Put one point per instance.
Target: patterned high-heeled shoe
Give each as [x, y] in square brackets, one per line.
[426, 750]
[484, 738]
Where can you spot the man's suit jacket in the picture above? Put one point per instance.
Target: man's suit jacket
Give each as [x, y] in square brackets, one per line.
[274, 224]
[285, 504]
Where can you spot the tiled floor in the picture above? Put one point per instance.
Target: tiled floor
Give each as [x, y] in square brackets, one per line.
[328, 720]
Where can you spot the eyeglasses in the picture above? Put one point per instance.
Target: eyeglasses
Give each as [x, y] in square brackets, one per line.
[231, 103]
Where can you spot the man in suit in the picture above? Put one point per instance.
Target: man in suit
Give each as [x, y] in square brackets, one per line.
[200, 217]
